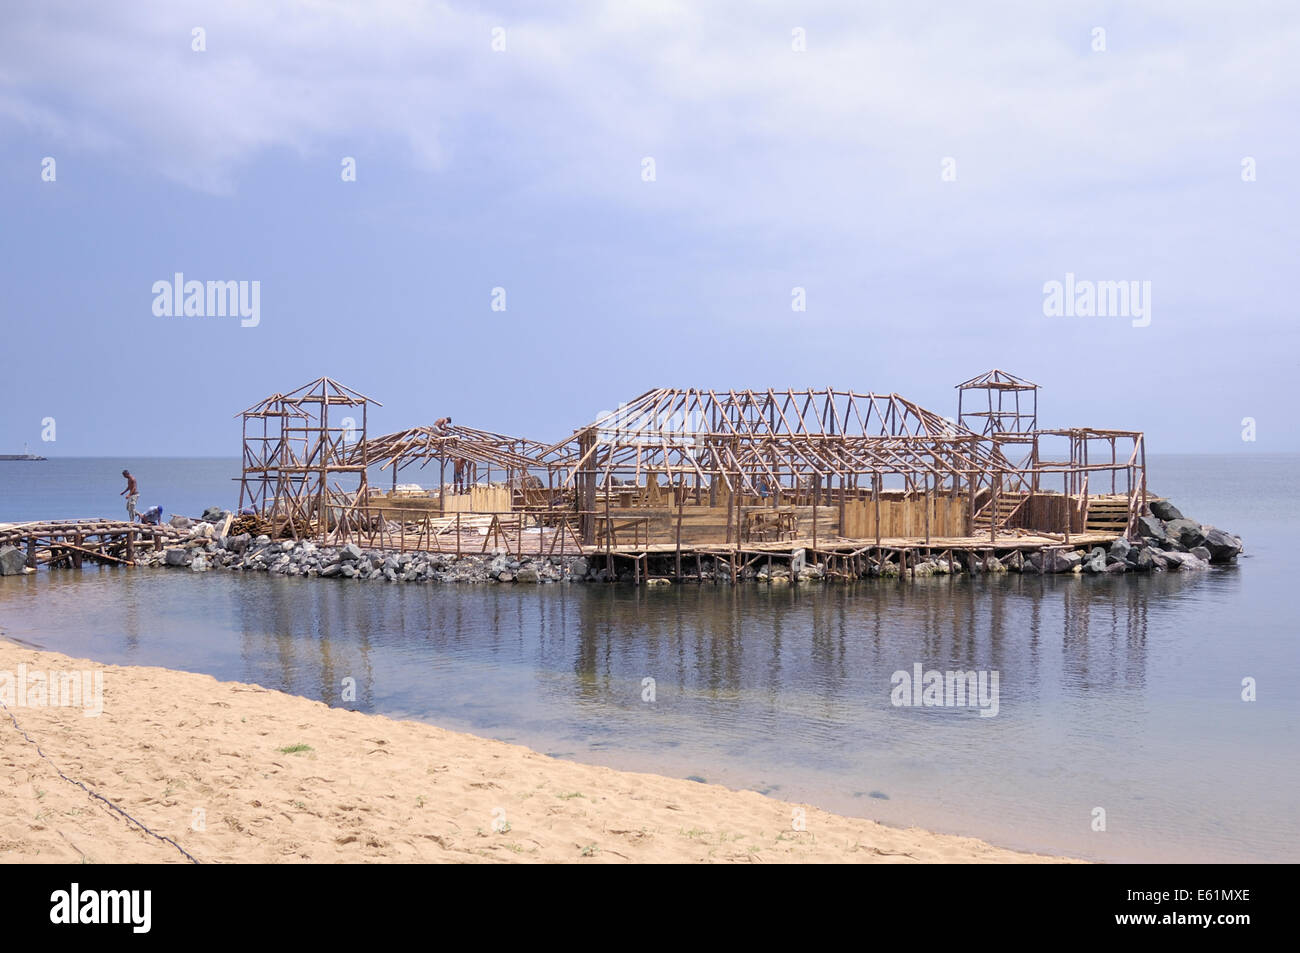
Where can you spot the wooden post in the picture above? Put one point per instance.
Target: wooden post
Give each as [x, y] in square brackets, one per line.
[927, 509]
[993, 503]
[681, 498]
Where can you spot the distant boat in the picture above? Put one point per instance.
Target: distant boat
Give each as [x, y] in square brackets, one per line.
[25, 455]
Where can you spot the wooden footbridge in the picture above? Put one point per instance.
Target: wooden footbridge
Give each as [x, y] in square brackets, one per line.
[71, 542]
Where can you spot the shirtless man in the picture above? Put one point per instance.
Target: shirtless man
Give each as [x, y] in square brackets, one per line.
[440, 425]
[132, 494]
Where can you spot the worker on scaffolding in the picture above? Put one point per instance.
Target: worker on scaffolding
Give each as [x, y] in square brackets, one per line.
[132, 494]
[441, 425]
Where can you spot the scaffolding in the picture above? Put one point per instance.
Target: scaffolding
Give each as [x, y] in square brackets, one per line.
[297, 449]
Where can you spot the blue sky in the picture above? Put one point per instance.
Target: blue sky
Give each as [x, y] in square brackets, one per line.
[522, 168]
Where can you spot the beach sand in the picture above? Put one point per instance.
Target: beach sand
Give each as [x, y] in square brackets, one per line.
[179, 751]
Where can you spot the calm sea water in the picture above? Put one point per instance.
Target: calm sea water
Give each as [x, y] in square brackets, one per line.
[1120, 693]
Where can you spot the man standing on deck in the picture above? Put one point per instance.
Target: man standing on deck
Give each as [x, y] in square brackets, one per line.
[132, 494]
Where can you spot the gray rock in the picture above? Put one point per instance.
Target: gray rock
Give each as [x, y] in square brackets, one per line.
[1201, 553]
[1015, 562]
[1096, 562]
[1186, 532]
[1057, 561]
[12, 561]
[1141, 559]
[1222, 546]
[527, 574]
[350, 553]
[1150, 527]
[177, 557]
[1116, 567]
[1184, 562]
[330, 570]
[180, 522]
[1120, 548]
[578, 567]
[1164, 510]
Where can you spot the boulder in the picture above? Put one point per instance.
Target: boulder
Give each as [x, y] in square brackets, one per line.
[1184, 562]
[1096, 562]
[1164, 510]
[1222, 546]
[1140, 559]
[1120, 548]
[1015, 562]
[1060, 560]
[177, 557]
[1149, 527]
[12, 561]
[1117, 567]
[578, 567]
[180, 522]
[1186, 532]
[1201, 553]
[350, 553]
[527, 574]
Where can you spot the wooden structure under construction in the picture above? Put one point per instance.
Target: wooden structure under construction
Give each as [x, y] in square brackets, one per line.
[834, 473]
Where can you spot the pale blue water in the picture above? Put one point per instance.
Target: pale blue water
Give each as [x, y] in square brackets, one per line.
[1117, 693]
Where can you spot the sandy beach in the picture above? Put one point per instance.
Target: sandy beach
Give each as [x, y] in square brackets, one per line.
[237, 773]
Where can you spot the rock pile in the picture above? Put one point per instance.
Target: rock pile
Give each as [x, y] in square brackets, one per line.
[1167, 542]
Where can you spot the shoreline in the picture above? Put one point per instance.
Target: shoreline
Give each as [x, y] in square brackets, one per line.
[278, 778]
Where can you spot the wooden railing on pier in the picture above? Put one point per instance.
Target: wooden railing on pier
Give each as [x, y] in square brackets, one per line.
[72, 541]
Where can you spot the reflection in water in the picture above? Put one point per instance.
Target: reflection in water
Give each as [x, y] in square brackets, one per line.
[1104, 685]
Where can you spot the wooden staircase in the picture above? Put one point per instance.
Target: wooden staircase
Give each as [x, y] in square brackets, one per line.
[1107, 514]
[1006, 506]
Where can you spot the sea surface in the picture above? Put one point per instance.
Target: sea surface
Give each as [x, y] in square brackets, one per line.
[1123, 694]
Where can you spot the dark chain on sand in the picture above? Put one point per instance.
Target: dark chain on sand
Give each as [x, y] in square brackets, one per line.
[162, 837]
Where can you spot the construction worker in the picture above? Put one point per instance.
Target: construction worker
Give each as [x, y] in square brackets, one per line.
[132, 494]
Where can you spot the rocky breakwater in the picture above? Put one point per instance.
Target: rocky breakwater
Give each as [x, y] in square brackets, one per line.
[1166, 542]
[205, 549]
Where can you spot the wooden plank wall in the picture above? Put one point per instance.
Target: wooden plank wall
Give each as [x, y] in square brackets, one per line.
[1047, 512]
[905, 517]
[479, 499]
[700, 524]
